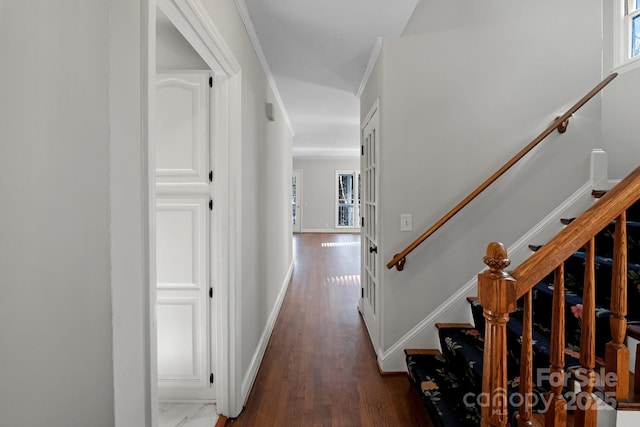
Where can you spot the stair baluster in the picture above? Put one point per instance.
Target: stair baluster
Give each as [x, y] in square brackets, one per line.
[556, 415]
[586, 411]
[497, 294]
[617, 354]
[525, 410]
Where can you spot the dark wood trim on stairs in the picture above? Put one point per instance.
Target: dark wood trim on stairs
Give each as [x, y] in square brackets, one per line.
[222, 421]
[454, 325]
[418, 351]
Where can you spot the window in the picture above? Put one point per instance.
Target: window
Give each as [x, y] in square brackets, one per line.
[633, 17]
[347, 198]
[627, 28]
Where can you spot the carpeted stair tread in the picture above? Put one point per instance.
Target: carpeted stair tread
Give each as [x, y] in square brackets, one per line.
[446, 380]
[441, 391]
[463, 348]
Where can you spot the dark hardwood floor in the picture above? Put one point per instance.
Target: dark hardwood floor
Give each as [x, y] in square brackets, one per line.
[319, 368]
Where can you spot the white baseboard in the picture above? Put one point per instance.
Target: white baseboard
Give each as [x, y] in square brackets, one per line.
[456, 309]
[256, 360]
[332, 230]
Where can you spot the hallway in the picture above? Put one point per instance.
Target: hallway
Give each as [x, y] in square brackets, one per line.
[319, 368]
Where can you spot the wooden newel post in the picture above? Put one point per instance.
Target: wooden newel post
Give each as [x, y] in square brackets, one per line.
[497, 295]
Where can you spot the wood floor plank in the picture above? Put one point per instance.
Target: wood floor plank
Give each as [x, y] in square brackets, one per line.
[319, 368]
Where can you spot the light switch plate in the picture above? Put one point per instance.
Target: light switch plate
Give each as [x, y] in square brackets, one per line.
[406, 222]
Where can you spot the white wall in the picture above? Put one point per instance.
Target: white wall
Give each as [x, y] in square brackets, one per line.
[173, 52]
[55, 308]
[266, 245]
[620, 106]
[73, 236]
[620, 136]
[467, 86]
[319, 192]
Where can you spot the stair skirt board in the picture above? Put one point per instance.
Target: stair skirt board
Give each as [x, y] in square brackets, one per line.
[455, 308]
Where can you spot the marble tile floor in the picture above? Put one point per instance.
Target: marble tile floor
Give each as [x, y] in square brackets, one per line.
[187, 415]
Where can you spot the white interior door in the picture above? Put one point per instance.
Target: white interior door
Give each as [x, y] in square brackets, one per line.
[296, 200]
[370, 296]
[183, 242]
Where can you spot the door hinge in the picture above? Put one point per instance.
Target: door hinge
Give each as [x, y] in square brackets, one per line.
[210, 176]
[361, 292]
[210, 204]
[211, 379]
[361, 221]
[362, 150]
[210, 291]
[210, 81]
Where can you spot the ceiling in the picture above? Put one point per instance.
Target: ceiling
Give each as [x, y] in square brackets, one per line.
[318, 52]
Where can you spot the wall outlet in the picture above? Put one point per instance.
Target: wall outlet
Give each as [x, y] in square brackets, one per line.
[406, 222]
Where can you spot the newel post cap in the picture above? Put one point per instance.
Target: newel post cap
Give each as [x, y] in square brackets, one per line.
[496, 288]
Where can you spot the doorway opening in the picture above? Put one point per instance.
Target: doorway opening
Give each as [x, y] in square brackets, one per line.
[195, 113]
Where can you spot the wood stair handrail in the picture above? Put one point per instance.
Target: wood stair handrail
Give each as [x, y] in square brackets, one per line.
[575, 235]
[560, 123]
[499, 291]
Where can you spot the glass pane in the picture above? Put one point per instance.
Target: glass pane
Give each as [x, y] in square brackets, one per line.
[345, 200]
[635, 36]
[360, 192]
[294, 197]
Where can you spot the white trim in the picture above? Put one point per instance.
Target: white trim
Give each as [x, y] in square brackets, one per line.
[631, 64]
[551, 220]
[241, 6]
[256, 360]
[150, 234]
[195, 24]
[375, 53]
[332, 230]
[374, 108]
[131, 45]
[599, 169]
[622, 40]
[372, 321]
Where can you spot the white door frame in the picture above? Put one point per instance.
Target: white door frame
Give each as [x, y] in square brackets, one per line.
[193, 22]
[375, 329]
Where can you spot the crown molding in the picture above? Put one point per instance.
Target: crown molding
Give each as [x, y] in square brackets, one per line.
[241, 6]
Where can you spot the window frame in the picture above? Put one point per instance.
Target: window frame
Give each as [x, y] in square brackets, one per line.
[356, 199]
[623, 16]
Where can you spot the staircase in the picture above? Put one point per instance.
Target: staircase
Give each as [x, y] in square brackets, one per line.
[566, 326]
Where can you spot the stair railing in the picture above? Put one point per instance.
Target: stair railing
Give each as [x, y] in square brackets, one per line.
[559, 124]
[498, 292]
